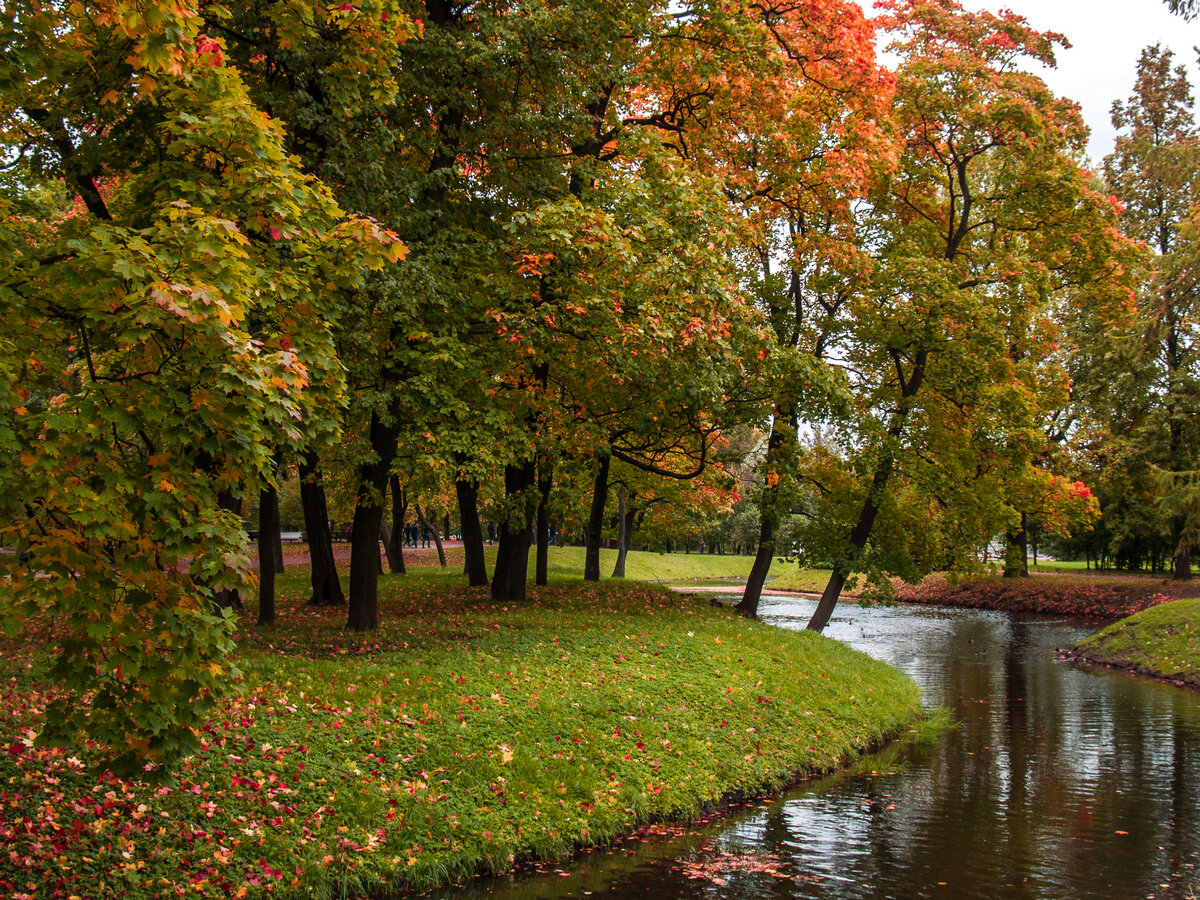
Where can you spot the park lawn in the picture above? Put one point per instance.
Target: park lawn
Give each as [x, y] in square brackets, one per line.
[648, 565]
[1060, 565]
[693, 569]
[790, 577]
[460, 738]
[1163, 640]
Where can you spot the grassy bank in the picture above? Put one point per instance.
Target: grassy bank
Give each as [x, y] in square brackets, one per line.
[1161, 641]
[461, 737]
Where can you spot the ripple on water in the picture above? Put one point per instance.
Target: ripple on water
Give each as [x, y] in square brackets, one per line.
[1059, 783]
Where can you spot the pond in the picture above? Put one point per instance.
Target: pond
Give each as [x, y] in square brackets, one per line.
[1059, 782]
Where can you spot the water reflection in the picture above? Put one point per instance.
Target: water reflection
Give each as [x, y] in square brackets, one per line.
[1060, 783]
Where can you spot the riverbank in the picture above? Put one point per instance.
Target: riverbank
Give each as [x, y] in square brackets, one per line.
[1160, 642]
[1101, 596]
[461, 738]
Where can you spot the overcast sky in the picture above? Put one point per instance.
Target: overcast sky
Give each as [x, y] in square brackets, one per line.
[1106, 36]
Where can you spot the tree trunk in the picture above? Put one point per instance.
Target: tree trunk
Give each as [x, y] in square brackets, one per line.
[545, 483]
[594, 533]
[364, 536]
[758, 571]
[437, 539]
[326, 586]
[1016, 551]
[393, 541]
[1182, 538]
[516, 535]
[861, 532]
[858, 540]
[268, 540]
[475, 566]
[779, 451]
[622, 534]
[227, 598]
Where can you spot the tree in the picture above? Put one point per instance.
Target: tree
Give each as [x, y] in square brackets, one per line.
[165, 331]
[791, 132]
[335, 75]
[1153, 172]
[326, 586]
[986, 215]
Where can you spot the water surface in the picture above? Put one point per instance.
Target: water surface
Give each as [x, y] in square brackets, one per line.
[1060, 782]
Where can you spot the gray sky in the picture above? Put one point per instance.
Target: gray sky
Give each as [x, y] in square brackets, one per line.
[1106, 36]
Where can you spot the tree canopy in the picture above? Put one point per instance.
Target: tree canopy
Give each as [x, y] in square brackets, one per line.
[719, 257]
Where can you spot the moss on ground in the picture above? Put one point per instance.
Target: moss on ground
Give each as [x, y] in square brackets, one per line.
[459, 739]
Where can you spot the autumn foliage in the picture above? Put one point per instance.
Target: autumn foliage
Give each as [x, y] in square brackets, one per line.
[503, 256]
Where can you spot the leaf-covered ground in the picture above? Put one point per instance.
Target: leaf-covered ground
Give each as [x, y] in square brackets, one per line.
[1101, 596]
[1163, 641]
[460, 738]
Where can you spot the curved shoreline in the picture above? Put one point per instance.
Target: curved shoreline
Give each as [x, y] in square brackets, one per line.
[1162, 642]
[459, 738]
[1188, 680]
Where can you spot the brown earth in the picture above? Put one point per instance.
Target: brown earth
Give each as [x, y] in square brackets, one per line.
[1101, 596]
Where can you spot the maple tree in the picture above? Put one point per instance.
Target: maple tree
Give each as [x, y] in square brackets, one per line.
[794, 135]
[593, 251]
[985, 216]
[166, 327]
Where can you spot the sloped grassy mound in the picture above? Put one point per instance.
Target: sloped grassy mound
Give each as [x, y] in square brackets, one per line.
[1163, 641]
[460, 738]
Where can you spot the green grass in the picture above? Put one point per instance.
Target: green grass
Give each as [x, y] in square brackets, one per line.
[461, 737]
[667, 568]
[792, 578]
[1079, 566]
[687, 568]
[1059, 565]
[692, 569]
[1163, 640]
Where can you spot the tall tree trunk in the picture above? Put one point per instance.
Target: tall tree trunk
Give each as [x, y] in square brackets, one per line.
[363, 612]
[858, 540]
[780, 446]
[227, 598]
[594, 534]
[466, 489]
[1182, 537]
[516, 535]
[748, 607]
[393, 541]
[326, 586]
[545, 483]
[625, 512]
[861, 532]
[268, 539]
[1016, 551]
[432, 527]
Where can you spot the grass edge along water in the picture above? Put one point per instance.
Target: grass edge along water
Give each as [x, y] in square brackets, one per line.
[462, 737]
